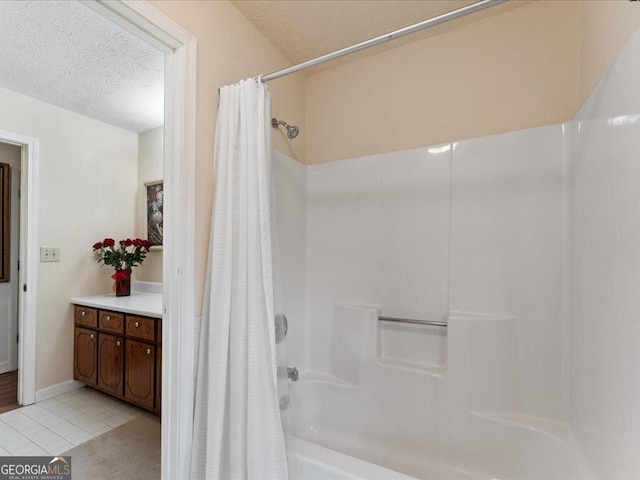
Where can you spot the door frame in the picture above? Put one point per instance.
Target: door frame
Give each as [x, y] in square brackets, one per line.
[28, 274]
[178, 361]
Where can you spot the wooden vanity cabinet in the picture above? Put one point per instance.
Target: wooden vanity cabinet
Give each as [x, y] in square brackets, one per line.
[119, 354]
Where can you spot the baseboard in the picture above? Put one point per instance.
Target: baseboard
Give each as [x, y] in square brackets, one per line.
[57, 389]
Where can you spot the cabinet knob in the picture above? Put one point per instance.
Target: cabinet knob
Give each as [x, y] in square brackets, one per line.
[118, 343]
[92, 335]
[137, 324]
[83, 313]
[148, 351]
[107, 318]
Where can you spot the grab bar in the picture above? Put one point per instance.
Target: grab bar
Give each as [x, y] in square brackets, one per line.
[434, 323]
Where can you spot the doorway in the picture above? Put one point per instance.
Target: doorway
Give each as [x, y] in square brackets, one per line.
[179, 48]
[178, 361]
[24, 263]
[10, 165]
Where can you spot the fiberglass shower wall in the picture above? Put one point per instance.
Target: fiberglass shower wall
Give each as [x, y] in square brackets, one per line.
[471, 233]
[605, 270]
[473, 227]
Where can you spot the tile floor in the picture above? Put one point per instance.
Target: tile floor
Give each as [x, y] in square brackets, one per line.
[58, 424]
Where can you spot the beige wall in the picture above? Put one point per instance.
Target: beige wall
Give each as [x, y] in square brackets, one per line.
[523, 68]
[150, 169]
[605, 28]
[230, 48]
[515, 70]
[86, 191]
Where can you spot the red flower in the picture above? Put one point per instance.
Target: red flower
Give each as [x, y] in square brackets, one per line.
[121, 258]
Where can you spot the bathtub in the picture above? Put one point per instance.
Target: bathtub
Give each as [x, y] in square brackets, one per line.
[347, 432]
[313, 462]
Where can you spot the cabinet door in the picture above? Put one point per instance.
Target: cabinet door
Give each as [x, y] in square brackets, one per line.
[139, 373]
[85, 355]
[158, 378]
[111, 363]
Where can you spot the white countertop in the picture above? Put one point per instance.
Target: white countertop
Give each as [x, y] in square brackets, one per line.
[138, 303]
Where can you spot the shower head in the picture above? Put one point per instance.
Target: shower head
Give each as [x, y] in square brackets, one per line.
[292, 130]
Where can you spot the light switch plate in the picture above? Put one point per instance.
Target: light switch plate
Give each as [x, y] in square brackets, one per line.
[49, 254]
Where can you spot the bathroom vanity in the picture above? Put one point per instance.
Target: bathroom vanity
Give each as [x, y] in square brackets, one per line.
[118, 346]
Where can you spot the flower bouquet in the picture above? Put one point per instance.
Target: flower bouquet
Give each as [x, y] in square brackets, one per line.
[128, 254]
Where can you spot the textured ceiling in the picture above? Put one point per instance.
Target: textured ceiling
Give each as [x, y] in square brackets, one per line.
[304, 29]
[66, 54]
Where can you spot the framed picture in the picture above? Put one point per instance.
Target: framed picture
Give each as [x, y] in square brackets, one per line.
[155, 193]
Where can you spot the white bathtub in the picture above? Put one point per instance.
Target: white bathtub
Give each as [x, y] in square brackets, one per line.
[346, 432]
[313, 462]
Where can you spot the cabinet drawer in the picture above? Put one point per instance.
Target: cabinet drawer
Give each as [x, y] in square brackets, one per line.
[141, 327]
[86, 316]
[111, 321]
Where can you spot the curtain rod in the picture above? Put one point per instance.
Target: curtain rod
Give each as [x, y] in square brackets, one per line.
[416, 27]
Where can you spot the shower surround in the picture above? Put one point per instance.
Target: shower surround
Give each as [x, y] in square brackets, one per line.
[526, 244]
[468, 233]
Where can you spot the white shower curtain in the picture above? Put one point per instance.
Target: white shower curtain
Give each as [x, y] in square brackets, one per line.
[237, 428]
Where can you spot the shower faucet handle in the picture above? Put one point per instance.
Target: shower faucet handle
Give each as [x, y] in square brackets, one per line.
[290, 372]
[293, 374]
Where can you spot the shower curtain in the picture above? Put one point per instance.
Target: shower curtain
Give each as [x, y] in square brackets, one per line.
[237, 428]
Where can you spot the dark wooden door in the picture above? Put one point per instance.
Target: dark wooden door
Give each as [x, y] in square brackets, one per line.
[111, 363]
[140, 361]
[85, 355]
